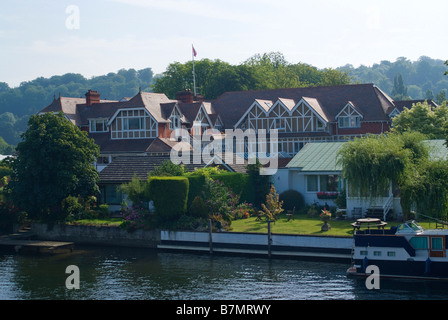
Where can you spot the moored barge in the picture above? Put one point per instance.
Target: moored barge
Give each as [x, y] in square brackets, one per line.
[405, 251]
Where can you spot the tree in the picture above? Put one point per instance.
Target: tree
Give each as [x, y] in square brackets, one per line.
[399, 91]
[372, 164]
[273, 206]
[55, 160]
[422, 118]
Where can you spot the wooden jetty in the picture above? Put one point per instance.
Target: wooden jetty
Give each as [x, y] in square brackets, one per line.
[23, 242]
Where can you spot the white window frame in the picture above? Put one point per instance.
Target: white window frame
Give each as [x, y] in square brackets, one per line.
[93, 125]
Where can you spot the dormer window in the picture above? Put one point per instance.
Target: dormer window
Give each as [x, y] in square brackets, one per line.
[350, 122]
[394, 113]
[349, 117]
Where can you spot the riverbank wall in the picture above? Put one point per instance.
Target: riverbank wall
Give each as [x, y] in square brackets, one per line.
[93, 235]
[235, 243]
[273, 245]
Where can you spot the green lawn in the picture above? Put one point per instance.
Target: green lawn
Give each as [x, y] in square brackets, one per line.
[110, 222]
[303, 225]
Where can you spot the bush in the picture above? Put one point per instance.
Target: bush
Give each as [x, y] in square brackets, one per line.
[170, 196]
[71, 208]
[239, 183]
[198, 209]
[292, 199]
[196, 187]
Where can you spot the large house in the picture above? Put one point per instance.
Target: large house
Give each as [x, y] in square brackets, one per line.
[144, 125]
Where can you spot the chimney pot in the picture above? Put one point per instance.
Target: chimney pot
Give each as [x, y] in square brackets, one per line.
[185, 96]
[92, 97]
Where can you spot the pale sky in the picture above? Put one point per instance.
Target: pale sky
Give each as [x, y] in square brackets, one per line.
[53, 37]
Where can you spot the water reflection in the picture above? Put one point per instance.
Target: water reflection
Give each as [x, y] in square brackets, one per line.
[118, 273]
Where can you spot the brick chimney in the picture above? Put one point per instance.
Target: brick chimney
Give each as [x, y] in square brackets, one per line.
[92, 97]
[185, 96]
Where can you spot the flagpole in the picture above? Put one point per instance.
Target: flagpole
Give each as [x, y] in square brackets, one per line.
[194, 76]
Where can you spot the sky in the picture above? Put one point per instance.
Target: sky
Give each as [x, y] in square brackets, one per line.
[42, 38]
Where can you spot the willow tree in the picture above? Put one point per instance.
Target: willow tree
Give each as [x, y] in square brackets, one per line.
[372, 163]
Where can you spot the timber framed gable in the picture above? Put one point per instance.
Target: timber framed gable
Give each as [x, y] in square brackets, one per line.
[349, 117]
[284, 115]
[133, 123]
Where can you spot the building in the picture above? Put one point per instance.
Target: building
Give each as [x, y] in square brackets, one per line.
[316, 174]
[143, 124]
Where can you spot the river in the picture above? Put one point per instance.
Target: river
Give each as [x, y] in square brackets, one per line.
[107, 273]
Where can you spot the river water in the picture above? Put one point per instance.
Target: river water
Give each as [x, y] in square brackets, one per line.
[142, 274]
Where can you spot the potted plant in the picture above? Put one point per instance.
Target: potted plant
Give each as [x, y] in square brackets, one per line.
[325, 216]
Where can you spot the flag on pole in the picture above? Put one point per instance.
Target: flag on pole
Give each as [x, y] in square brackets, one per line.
[194, 51]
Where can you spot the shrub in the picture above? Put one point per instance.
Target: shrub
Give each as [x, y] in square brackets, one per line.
[170, 195]
[273, 206]
[292, 199]
[221, 201]
[71, 208]
[196, 187]
[135, 189]
[198, 209]
[135, 217]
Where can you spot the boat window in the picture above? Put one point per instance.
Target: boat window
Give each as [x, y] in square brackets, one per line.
[414, 226]
[419, 242]
[391, 253]
[363, 253]
[410, 226]
[377, 253]
[436, 243]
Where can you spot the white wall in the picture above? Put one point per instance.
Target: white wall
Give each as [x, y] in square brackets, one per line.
[287, 179]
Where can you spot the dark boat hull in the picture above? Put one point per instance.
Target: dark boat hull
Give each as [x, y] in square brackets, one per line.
[403, 269]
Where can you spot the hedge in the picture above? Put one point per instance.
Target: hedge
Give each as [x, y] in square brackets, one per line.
[170, 196]
[239, 183]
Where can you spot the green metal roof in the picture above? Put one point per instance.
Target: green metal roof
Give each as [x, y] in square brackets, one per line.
[318, 156]
[322, 156]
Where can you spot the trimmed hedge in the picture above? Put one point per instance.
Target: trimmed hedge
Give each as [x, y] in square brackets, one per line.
[170, 196]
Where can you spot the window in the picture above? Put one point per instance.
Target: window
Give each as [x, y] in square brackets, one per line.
[280, 124]
[98, 125]
[133, 123]
[280, 147]
[111, 194]
[329, 183]
[363, 252]
[175, 123]
[298, 146]
[320, 126]
[419, 242]
[312, 184]
[350, 122]
[377, 253]
[391, 253]
[324, 183]
[437, 243]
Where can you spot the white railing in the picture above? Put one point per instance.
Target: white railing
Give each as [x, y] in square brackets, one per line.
[387, 206]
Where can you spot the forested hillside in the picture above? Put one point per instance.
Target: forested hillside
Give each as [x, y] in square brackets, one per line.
[17, 104]
[402, 79]
[421, 79]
